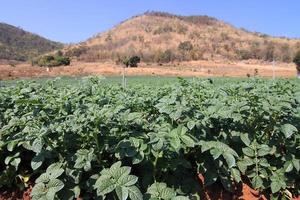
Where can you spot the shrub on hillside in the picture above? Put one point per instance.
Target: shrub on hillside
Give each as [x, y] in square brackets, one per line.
[185, 46]
[181, 29]
[269, 51]
[297, 60]
[131, 61]
[166, 28]
[76, 52]
[63, 60]
[52, 61]
[244, 54]
[165, 57]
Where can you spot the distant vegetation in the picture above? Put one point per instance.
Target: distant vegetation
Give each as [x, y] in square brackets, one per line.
[132, 61]
[195, 19]
[185, 46]
[52, 60]
[163, 37]
[76, 52]
[297, 60]
[153, 37]
[17, 44]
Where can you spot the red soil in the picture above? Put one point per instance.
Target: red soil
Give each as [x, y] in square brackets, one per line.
[194, 68]
[16, 194]
[242, 192]
[214, 192]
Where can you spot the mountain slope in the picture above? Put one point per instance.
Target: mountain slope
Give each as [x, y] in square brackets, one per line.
[163, 37]
[17, 44]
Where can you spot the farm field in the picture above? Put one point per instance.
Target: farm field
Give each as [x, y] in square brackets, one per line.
[149, 100]
[154, 81]
[158, 138]
[111, 80]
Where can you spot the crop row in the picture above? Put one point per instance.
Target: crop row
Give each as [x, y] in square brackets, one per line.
[97, 141]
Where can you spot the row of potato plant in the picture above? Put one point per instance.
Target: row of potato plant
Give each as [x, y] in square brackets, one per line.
[99, 141]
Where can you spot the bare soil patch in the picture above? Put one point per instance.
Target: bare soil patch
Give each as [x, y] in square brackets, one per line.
[214, 192]
[185, 69]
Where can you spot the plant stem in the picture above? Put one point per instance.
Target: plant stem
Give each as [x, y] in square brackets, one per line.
[99, 149]
[154, 168]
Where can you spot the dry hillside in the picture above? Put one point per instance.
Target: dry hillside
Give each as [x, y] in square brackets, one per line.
[20, 45]
[163, 37]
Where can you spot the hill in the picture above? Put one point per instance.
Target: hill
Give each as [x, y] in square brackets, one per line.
[163, 37]
[20, 45]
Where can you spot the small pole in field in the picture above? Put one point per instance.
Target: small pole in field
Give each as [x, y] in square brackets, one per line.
[124, 77]
[273, 67]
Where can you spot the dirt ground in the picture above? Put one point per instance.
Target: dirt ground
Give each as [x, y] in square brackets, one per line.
[187, 69]
[242, 191]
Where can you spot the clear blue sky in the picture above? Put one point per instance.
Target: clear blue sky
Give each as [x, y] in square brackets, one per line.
[76, 20]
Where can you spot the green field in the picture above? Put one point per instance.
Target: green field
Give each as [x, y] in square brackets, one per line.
[131, 80]
[94, 139]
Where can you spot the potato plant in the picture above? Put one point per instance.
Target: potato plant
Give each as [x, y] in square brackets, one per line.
[97, 141]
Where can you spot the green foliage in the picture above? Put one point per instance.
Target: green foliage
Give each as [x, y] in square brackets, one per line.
[163, 192]
[97, 140]
[61, 60]
[84, 157]
[52, 61]
[297, 60]
[131, 61]
[47, 184]
[118, 179]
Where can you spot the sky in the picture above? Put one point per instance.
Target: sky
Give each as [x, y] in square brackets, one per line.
[72, 21]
